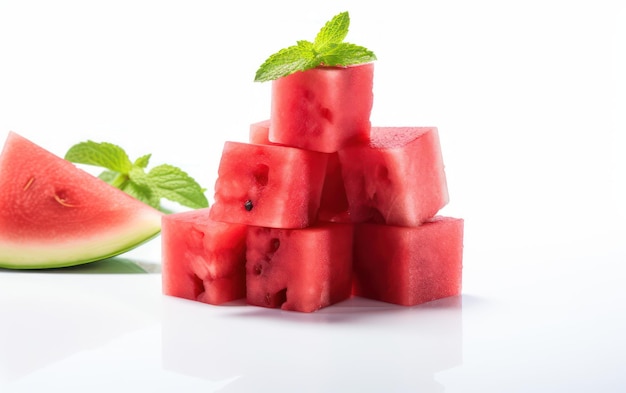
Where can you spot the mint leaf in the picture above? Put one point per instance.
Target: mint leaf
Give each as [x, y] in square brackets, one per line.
[144, 193]
[177, 186]
[344, 53]
[333, 32]
[143, 161]
[139, 177]
[108, 176]
[106, 155]
[328, 49]
[163, 181]
[286, 61]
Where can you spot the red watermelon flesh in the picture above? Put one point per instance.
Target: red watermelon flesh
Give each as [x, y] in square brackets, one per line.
[259, 133]
[333, 203]
[268, 185]
[54, 214]
[409, 266]
[322, 109]
[397, 178]
[299, 269]
[203, 260]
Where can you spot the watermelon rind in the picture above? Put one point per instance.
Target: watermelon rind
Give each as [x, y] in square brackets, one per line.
[46, 256]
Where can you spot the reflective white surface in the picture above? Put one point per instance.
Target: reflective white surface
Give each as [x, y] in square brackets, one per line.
[529, 100]
[542, 321]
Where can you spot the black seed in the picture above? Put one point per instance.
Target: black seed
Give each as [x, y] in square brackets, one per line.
[248, 205]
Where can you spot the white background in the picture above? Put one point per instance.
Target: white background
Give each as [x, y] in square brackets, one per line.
[529, 98]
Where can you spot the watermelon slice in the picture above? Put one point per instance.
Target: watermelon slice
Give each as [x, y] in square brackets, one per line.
[55, 214]
[299, 269]
[397, 178]
[268, 185]
[408, 266]
[203, 260]
[322, 109]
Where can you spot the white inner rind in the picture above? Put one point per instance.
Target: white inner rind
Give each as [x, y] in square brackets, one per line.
[105, 243]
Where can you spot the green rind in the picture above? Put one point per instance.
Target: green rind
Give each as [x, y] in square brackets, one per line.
[76, 259]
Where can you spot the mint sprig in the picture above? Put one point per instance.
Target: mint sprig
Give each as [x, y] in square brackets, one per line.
[328, 49]
[161, 182]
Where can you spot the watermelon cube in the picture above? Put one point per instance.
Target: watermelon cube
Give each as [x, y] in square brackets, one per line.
[299, 269]
[202, 259]
[397, 178]
[268, 185]
[333, 203]
[322, 109]
[259, 133]
[408, 265]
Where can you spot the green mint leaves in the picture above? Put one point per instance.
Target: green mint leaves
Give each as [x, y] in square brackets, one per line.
[162, 181]
[328, 49]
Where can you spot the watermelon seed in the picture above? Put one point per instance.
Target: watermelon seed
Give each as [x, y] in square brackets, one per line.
[248, 205]
[62, 201]
[28, 183]
[258, 269]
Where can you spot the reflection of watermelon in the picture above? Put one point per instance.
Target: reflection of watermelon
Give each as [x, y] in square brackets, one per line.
[54, 214]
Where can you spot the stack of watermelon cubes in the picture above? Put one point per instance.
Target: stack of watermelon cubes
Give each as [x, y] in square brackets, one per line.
[319, 206]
